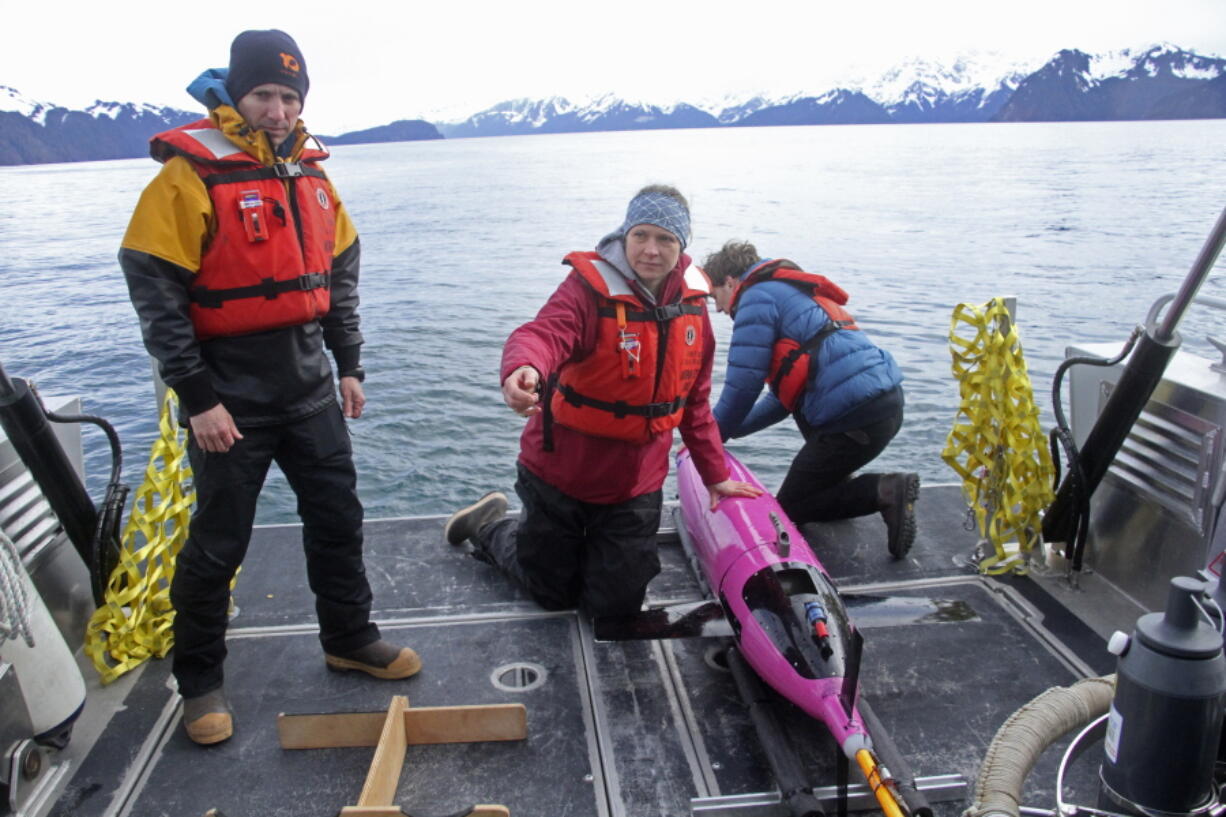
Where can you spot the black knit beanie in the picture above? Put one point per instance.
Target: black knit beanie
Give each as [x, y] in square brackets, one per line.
[257, 57]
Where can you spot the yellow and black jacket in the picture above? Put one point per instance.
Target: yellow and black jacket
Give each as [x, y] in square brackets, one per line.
[242, 281]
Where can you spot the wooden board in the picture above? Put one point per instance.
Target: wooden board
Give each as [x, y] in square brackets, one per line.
[383, 779]
[422, 725]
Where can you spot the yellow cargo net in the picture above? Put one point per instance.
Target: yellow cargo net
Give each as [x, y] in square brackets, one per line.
[134, 623]
[996, 445]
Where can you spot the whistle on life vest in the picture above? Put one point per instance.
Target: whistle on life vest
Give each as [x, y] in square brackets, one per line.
[628, 344]
[251, 208]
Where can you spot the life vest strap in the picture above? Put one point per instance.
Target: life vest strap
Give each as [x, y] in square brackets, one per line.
[621, 408]
[280, 170]
[546, 392]
[268, 288]
[809, 347]
[658, 314]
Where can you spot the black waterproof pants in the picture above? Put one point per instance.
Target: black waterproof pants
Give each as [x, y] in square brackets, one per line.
[569, 553]
[819, 486]
[317, 459]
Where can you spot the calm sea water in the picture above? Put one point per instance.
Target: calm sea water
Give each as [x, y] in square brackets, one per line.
[1086, 224]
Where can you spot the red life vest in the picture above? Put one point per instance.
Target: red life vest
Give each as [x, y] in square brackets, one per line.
[269, 263]
[635, 382]
[790, 359]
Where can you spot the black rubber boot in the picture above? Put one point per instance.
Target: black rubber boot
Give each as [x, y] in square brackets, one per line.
[896, 496]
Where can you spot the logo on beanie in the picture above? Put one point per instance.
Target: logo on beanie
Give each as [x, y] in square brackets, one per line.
[290, 62]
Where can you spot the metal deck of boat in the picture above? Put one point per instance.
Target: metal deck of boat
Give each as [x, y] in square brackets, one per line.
[637, 729]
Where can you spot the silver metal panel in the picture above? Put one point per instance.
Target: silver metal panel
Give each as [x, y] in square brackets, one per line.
[54, 565]
[1152, 517]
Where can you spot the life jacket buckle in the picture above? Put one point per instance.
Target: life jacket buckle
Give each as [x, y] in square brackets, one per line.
[667, 312]
[313, 280]
[288, 170]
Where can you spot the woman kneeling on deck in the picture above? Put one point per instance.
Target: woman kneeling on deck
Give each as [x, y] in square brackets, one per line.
[619, 356]
[791, 332]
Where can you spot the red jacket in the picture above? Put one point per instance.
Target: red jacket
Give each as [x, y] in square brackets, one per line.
[599, 469]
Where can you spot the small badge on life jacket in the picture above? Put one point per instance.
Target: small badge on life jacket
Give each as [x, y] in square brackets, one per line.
[251, 207]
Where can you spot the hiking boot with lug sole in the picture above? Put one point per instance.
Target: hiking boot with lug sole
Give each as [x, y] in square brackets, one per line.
[896, 496]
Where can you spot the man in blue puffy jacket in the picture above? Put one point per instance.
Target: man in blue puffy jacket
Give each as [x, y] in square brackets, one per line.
[791, 333]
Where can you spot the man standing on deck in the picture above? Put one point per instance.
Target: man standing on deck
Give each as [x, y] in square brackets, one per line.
[242, 264]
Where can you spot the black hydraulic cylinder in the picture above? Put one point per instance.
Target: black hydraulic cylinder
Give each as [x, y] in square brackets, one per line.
[789, 772]
[25, 423]
[1140, 377]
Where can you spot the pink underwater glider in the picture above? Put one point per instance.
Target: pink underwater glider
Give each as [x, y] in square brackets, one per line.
[788, 619]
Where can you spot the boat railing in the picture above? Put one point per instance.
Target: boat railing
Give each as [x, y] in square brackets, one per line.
[1151, 321]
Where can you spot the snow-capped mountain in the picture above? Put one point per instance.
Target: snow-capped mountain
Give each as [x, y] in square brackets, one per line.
[560, 115]
[33, 131]
[1160, 81]
[972, 89]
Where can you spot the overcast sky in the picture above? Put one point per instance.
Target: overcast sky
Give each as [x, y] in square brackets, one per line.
[374, 61]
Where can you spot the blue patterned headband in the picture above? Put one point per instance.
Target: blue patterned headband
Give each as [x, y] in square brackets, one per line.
[661, 210]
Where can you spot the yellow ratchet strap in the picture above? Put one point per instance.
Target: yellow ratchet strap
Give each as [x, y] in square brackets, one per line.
[996, 444]
[134, 622]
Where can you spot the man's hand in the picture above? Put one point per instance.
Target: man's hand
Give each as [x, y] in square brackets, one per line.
[214, 430]
[519, 391]
[731, 487]
[353, 399]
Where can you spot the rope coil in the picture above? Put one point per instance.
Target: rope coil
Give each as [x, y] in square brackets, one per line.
[14, 598]
[996, 445]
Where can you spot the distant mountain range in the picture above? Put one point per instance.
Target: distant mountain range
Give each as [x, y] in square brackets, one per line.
[36, 132]
[1159, 82]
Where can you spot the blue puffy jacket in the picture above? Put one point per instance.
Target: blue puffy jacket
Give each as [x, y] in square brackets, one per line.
[850, 370]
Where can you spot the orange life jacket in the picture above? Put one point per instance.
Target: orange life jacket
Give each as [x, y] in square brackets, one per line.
[635, 382]
[269, 263]
[791, 360]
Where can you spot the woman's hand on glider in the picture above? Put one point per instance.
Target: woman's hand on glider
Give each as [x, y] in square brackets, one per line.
[730, 487]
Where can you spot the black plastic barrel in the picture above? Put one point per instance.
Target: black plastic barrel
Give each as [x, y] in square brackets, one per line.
[1165, 722]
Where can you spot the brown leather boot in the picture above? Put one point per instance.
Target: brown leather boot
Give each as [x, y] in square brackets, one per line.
[380, 659]
[467, 521]
[896, 496]
[207, 718]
